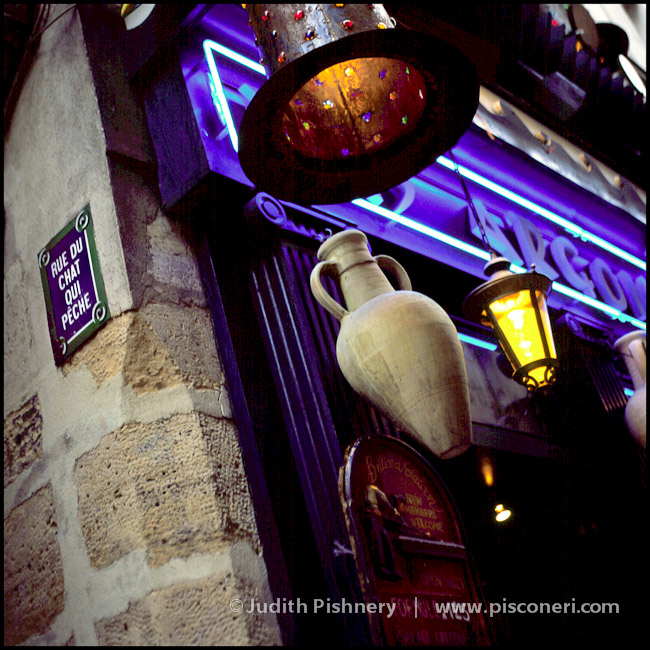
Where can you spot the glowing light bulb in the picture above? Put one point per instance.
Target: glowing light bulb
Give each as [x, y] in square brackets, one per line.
[502, 513]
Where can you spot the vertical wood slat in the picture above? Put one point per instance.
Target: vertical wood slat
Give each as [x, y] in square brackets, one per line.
[352, 414]
[606, 381]
[296, 365]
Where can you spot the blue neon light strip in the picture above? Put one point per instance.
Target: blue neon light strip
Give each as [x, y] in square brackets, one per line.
[209, 46]
[477, 252]
[231, 54]
[218, 94]
[543, 212]
[628, 392]
[425, 230]
[479, 343]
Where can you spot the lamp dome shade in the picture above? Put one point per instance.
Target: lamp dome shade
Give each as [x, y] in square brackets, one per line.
[353, 116]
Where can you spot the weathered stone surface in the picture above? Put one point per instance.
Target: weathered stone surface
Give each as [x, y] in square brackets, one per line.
[172, 270]
[148, 365]
[190, 613]
[175, 487]
[33, 575]
[104, 353]
[188, 336]
[159, 347]
[22, 438]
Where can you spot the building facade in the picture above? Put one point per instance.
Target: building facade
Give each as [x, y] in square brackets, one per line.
[182, 464]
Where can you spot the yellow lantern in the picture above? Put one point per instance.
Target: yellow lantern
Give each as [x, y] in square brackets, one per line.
[514, 305]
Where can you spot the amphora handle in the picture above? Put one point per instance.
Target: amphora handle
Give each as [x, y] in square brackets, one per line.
[319, 292]
[387, 263]
[384, 262]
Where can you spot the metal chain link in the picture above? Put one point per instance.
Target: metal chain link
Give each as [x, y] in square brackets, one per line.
[484, 238]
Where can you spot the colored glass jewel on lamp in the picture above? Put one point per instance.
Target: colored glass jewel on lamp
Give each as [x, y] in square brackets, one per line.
[273, 110]
[344, 118]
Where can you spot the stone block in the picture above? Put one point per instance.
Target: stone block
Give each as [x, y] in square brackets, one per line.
[191, 613]
[104, 353]
[148, 366]
[22, 438]
[33, 575]
[188, 337]
[158, 347]
[174, 487]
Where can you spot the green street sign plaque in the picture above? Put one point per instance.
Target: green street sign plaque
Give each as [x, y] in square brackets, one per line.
[73, 287]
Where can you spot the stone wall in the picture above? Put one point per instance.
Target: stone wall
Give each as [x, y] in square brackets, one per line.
[128, 518]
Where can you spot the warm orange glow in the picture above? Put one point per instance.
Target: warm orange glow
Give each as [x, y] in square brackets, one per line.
[516, 318]
[487, 471]
[502, 513]
[355, 107]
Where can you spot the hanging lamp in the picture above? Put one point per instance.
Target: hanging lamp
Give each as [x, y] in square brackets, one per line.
[353, 106]
[514, 306]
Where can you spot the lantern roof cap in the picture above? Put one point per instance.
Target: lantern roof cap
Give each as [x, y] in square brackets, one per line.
[477, 301]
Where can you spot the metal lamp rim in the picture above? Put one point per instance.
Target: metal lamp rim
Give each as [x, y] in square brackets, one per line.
[478, 300]
[263, 148]
[522, 372]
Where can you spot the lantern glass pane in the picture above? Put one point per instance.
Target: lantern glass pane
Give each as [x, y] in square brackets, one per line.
[541, 301]
[515, 317]
[356, 107]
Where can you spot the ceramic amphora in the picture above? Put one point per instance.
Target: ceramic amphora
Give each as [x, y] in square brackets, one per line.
[399, 349]
[632, 347]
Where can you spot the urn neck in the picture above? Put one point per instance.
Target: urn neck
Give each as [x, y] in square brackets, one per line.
[359, 275]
